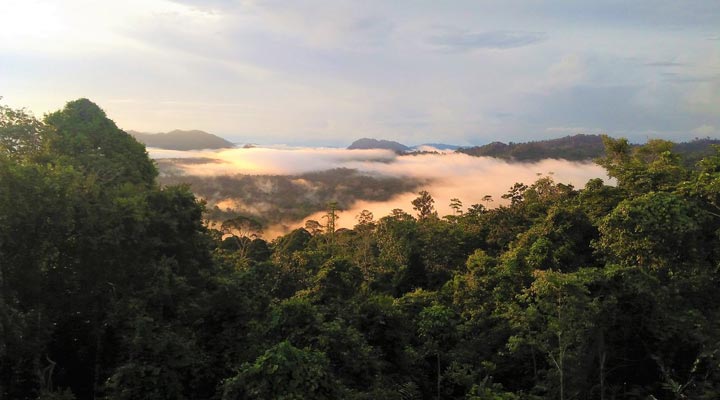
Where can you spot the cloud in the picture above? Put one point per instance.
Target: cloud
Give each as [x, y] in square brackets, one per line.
[498, 40]
[706, 131]
[467, 178]
[569, 71]
[687, 78]
[211, 5]
[446, 175]
[663, 14]
[664, 64]
[279, 160]
[324, 72]
[572, 130]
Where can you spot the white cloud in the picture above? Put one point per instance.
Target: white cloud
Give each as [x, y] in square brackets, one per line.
[566, 73]
[446, 175]
[706, 131]
[331, 71]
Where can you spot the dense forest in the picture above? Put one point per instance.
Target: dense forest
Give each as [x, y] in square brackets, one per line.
[111, 286]
[277, 199]
[579, 147]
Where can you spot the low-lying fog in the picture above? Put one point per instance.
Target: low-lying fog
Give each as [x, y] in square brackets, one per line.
[448, 175]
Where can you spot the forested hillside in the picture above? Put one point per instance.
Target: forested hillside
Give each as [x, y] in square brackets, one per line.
[579, 148]
[111, 287]
[367, 143]
[182, 140]
[274, 199]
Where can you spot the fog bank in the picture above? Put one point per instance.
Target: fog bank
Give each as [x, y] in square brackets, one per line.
[448, 175]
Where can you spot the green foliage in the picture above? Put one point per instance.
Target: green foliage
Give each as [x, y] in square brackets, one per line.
[656, 230]
[578, 148]
[651, 167]
[574, 148]
[113, 287]
[87, 139]
[337, 280]
[489, 393]
[22, 136]
[273, 199]
[424, 205]
[284, 372]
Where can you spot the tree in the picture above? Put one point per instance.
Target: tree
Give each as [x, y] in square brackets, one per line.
[85, 138]
[516, 193]
[558, 319]
[476, 210]
[242, 227]
[86, 237]
[314, 227]
[365, 218]
[22, 136]
[654, 231]
[705, 183]
[642, 169]
[398, 258]
[284, 372]
[436, 327]
[331, 216]
[242, 230]
[367, 247]
[424, 205]
[456, 205]
[336, 281]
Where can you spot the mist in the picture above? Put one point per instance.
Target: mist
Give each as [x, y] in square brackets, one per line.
[445, 175]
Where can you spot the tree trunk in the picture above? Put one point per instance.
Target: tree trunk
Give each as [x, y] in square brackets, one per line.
[96, 367]
[602, 357]
[438, 375]
[560, 363]
[535, 374]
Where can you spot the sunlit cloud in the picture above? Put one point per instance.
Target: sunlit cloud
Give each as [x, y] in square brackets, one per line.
[445, 175]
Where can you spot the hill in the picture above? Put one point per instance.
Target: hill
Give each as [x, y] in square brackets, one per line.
[273, 199]
[696, 150]
[367, 143]
[573, 148]
[112, 286]
[439, 146]
[578, 148]
[182, 140]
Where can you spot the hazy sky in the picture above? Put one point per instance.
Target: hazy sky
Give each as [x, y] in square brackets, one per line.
[328, 72]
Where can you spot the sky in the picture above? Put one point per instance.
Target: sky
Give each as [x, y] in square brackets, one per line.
[328, 72]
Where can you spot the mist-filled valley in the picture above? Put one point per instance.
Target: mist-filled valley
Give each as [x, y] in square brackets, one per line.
[117, 281]
[283, 186]
[359, 200]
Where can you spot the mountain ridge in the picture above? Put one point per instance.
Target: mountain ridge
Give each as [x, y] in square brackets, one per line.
[370, 143]
[580, 147]
[182, 140]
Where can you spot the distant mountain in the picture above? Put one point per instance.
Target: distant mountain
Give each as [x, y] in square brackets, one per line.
[696, 150]
[577, 148]
[439, 146]
[182, 140]
[367, 143]
[574, 148]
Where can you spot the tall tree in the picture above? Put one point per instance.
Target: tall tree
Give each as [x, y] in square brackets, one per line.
[424, 204]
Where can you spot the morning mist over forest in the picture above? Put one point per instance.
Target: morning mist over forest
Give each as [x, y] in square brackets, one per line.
[362, 200]
[445, 174]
